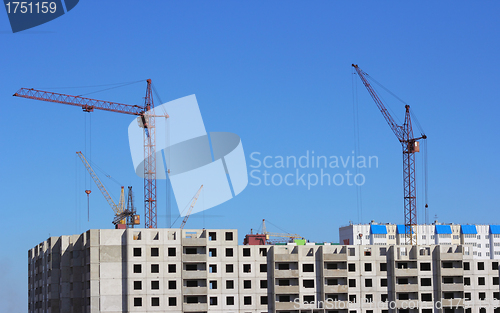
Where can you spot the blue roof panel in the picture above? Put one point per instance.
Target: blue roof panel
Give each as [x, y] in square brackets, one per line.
[401, 229]
[443, 229]
[495, 229]
[469, 229]
[378, 229]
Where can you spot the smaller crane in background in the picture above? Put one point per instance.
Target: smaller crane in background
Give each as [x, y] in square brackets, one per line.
[281, 235]
[123, 217]
[132, 219]
[193, 202]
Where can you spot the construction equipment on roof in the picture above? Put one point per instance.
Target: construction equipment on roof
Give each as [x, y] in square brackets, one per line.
[146, 120]
[410, 145]
[190, 209]
[123, 217]
[290, 237]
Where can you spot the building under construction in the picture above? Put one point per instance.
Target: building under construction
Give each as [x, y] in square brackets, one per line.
[174, 270]
[385, 268]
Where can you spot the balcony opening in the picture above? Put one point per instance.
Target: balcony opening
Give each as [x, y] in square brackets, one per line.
[263, 268]
[332, 282]
[368, 267]
[155, 301]
[137, 285]
[283, 266]
[155, 252]
[213, 268]
[283, 282]
[137, 252]
[172, 301]
[425, 282]
[425, 266]
[171, 252]
[308, 283]
[426, 297]
[403, 296]
[283, 298]
[213, 300]
[191, 299]
[172, 268]
[191, 251]
[212, 236]
[263, 300]
[383, 267]
[137, 301]
[246, 252]
[309, 299]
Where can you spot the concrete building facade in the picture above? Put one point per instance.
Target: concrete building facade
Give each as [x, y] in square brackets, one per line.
[147, 270]
[158, 270]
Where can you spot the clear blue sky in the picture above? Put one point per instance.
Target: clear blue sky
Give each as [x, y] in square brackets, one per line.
[276, 73]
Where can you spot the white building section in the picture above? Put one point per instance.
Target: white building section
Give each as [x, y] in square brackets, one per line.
[479, 241]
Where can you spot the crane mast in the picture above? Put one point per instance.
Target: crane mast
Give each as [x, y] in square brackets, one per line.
[410, 145]
[147, 121]
[150, 219]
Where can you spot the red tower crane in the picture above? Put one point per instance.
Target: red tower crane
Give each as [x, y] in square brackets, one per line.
[410, 145]
[147, 121]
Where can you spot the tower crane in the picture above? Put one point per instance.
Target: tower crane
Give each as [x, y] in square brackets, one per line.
[193, 202]
[147, 121]
[122, 216]
[410, 145]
